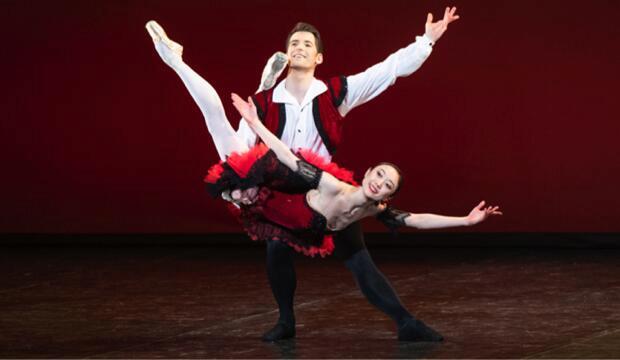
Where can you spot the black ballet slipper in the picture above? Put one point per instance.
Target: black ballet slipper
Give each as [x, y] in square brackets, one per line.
[280, 331]
[416, 330]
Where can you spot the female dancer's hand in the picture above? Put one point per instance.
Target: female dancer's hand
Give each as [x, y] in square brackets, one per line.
[481, 213]
[434, 30]
[246, 109]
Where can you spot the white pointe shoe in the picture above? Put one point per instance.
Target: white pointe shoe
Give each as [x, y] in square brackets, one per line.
[170, 51]
[274, 67]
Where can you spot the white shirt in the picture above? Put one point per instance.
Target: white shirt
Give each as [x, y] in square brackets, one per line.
[300, 131]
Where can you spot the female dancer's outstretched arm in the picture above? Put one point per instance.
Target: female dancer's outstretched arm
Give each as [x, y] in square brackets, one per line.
[432, 221]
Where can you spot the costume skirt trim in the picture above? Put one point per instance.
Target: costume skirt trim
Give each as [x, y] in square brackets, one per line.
[281, 192]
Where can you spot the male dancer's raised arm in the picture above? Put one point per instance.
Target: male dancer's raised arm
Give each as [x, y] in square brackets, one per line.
[365, 86]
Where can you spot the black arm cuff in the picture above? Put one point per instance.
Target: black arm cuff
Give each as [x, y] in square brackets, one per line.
[309, 173]
[393, 218]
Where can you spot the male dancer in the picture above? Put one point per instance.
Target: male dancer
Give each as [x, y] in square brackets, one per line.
[307, 113]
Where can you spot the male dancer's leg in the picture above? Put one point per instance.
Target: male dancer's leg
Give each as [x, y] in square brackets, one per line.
[283, 281]
[374, 285]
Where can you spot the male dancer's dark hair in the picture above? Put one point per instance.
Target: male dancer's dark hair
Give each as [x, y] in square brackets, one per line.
[302, 26]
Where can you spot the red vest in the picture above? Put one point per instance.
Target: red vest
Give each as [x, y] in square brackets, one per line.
[327, 119]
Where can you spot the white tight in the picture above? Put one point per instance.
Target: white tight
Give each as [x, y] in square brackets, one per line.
[224, 136]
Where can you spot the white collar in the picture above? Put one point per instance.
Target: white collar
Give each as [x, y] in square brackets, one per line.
[281, 95]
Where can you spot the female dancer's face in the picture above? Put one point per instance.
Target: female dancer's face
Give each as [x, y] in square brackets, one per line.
[380, 182]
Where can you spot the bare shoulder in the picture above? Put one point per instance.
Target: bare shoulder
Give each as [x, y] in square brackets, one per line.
[333, 186]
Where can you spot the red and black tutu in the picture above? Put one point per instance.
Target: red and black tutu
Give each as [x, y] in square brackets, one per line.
[281, 211]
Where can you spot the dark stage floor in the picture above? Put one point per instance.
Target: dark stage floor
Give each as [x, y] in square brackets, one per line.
[206, 302]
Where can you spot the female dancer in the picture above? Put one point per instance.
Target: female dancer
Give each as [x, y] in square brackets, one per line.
[333, 200]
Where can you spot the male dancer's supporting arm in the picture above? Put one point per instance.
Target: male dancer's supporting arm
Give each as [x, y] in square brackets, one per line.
[366, 85]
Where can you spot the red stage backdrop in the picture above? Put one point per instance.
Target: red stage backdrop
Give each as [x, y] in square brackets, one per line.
[517, 105]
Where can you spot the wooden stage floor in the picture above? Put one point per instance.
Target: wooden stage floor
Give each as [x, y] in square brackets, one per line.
[214, 302]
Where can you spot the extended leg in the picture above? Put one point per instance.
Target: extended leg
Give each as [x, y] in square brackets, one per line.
[224, 137]
[380, 293]
[375, 286]
[283, 281]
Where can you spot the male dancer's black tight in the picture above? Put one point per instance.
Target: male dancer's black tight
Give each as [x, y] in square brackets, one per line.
[349, 246]
[282, 278]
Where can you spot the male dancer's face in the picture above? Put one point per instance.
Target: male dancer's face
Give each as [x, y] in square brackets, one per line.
[302, 51]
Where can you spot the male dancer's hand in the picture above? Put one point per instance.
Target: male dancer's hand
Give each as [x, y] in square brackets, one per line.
[434, 30]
